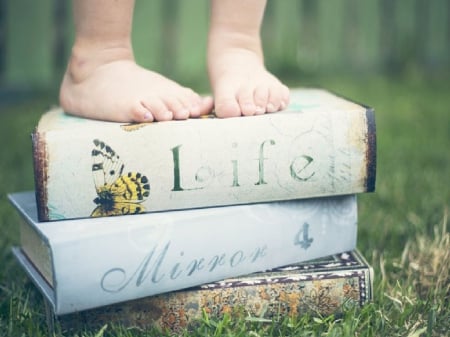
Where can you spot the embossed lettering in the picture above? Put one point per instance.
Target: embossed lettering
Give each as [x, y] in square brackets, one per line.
[155, 268]
[298, 168]
[261, 159]
[302, 238]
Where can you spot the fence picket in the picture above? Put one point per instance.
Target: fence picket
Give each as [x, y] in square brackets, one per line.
[29, 43]
[148, 34]
[437, 47]
[368, 13]
[192, 24]
[169, 36]
[283, 41]
[331, 34]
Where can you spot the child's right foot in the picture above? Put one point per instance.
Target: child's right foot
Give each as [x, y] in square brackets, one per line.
[109, 85]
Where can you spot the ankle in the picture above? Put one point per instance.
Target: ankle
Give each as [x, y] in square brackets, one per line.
[224, 37]
[85, 58]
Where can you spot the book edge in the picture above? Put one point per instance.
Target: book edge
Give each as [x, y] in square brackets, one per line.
[370, 274]
[39, 253]
[40, 162]
[28, 220]
[37, 279]
[371, 158]
[371, 154]
[360, 272]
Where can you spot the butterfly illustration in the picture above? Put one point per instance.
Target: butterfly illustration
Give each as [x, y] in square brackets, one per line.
[117, 193]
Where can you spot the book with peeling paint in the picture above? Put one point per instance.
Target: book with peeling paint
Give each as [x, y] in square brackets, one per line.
[325, 286]
[321, 145]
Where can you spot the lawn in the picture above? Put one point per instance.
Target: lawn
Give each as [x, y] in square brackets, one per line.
[403, 227]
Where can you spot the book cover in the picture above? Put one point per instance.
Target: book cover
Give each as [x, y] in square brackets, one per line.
[321, 145]
[326, 286]
[89, 263]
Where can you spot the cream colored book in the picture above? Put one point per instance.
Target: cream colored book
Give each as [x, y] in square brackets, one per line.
[321, 145]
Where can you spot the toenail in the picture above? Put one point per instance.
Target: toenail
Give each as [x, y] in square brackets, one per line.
[271, 107]
[147, 115]
[282, 105]
[194, 107]
[248, 106]
[259, 110]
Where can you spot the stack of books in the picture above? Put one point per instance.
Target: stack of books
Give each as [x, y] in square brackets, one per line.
[154, 224]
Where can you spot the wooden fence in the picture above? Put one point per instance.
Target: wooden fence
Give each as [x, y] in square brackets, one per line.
[307, 36]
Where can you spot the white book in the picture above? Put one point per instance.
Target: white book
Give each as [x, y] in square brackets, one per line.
[94, 262]
[321, 145]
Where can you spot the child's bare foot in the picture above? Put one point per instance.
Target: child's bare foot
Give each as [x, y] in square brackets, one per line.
[111, 86]
[240, 82]
[242, 86]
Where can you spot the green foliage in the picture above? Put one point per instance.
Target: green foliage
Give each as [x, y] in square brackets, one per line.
[403, 229]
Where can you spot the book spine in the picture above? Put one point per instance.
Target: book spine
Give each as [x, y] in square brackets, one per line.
[323, 147]
[371, 153]
[266, 297]
[160, 252]
[40, 162]
[37, 250]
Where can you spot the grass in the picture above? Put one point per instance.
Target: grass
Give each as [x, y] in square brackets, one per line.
[403, 229]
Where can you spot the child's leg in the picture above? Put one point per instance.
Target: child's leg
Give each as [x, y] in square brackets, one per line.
[240, 82]
[102, 80]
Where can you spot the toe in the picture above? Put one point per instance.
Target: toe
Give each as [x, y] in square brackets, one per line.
[277, 99]
[138, 113]
[285, 96]
[261, 97]
[158, 109]
[179, 110]
[246, 101]
[191, 101]
[226, 104]
[205, 106]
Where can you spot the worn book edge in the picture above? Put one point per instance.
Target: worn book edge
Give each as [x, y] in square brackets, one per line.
[371, 154]
[47, 125]
[40, 163]
[280, 288]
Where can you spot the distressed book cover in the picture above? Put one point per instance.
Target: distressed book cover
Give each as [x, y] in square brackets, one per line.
[321, 145]
[320, 287]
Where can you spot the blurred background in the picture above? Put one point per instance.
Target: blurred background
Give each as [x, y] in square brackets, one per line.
[302, 39]
[393, 55]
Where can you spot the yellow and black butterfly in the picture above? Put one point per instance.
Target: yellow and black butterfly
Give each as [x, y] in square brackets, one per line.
[117, 193]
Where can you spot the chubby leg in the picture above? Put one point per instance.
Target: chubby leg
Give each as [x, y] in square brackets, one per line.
[240, 82]
[103, 81]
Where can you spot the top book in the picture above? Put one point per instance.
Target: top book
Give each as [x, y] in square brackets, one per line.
[321, 145]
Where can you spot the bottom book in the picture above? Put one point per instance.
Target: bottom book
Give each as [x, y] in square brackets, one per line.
[324, 286]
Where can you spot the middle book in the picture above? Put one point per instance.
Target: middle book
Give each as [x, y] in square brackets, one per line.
[99, 261]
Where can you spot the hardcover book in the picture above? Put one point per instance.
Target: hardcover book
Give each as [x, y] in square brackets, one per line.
[88, 263]
[326, 286]
[321, 145]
